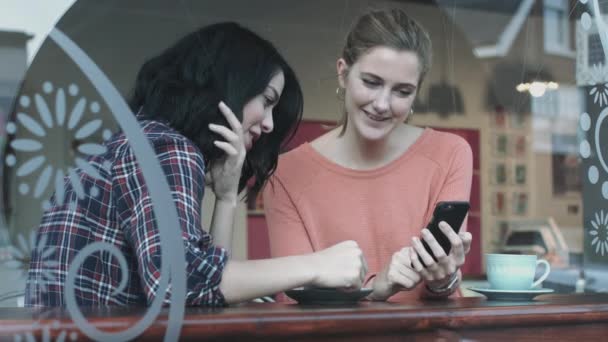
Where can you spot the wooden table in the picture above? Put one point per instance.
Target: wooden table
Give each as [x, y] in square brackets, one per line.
[550, 317]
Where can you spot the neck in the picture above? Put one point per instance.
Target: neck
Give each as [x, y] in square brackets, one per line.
[361, 153]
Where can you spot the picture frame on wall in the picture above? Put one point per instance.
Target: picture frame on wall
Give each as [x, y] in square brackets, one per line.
[499, 118]
[501, 145]
[499, 203]
[520, 174]
[520, 203]
[520, 145]
[500, 173]
[517, 121]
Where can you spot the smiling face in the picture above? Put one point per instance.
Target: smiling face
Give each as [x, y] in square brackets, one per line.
[380, 88]
[257, 113]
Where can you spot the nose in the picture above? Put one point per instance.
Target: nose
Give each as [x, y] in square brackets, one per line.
[268, 123]
[382, 100]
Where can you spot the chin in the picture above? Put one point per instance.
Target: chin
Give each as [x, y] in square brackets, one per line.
[373, 133]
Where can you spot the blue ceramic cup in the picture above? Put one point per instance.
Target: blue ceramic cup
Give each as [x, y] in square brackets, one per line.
[514, 272]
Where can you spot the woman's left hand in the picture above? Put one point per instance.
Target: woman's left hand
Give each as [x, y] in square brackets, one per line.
[437, 273]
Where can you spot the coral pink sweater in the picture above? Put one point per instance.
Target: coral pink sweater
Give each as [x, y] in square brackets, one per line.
[313, 203]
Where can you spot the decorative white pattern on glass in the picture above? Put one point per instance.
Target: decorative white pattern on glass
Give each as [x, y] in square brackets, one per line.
[45, 333]
[585, 122]
[599, 233]
[21, 252]
[594, 174]
[11, 128]
[11, 160]
[43, 126]
[166, 215]
[586, 21]
[600, 94]
[586, 149]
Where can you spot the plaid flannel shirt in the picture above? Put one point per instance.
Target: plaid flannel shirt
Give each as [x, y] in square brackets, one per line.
[119, 212]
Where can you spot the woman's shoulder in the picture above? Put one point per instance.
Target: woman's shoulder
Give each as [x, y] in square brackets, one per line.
[161, 137]
[443, 147]
[161, 134]
[445, 142]
[296, 160]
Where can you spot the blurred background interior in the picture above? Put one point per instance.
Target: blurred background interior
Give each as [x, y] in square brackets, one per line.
[523, 81]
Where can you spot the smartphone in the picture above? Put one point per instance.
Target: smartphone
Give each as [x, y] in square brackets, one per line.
[453, 213]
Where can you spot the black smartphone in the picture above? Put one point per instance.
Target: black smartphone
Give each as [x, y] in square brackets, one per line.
[453, 213]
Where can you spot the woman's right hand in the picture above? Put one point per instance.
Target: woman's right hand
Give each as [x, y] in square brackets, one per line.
[398, 275]
[340, 266]
[226, 172]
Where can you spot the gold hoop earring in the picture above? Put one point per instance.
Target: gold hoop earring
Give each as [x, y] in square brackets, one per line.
[340, 93]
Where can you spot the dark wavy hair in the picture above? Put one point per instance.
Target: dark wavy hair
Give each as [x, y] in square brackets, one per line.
[220, 62]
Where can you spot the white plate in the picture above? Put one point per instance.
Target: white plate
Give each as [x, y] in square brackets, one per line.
[511, 295]
[327, 296]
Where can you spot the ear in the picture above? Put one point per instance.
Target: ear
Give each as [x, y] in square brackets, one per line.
[342, 69]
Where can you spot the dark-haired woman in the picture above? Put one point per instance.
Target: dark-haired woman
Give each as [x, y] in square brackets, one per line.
[184, 99]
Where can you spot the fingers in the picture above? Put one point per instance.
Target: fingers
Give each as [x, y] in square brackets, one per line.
[233, 121]
[227, 134]
[433, 270]
[401, 272]
[363, 269]
[461, 244]
[449, 232]
[467, 239]
[426, 258]
[433, 244]
[405, 278]
[417, 265]
[233, 144]
[226, 147]
[457, 249]
[355, 281]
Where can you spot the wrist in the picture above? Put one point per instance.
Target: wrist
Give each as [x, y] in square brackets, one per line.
[444, 288]
[381, 288]
[312, 269]
[230, 200]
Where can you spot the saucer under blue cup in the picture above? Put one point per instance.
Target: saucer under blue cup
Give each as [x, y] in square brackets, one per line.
[511, 295]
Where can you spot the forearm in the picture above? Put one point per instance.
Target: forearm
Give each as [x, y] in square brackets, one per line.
[222, 222]
[245, 280]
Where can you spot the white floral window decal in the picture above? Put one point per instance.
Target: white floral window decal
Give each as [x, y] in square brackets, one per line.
[599, 92]
[599, 233]
[45, 333]
[50, 121]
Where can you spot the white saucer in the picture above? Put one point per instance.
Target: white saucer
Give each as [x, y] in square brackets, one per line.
[511, 295]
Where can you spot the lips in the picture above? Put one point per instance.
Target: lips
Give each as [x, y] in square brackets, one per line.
[375, 117]
[253, 138]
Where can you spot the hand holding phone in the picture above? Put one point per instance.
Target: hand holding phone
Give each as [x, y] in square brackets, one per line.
[453, 213]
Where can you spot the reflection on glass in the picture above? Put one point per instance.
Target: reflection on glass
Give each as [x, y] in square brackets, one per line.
[540, 149]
